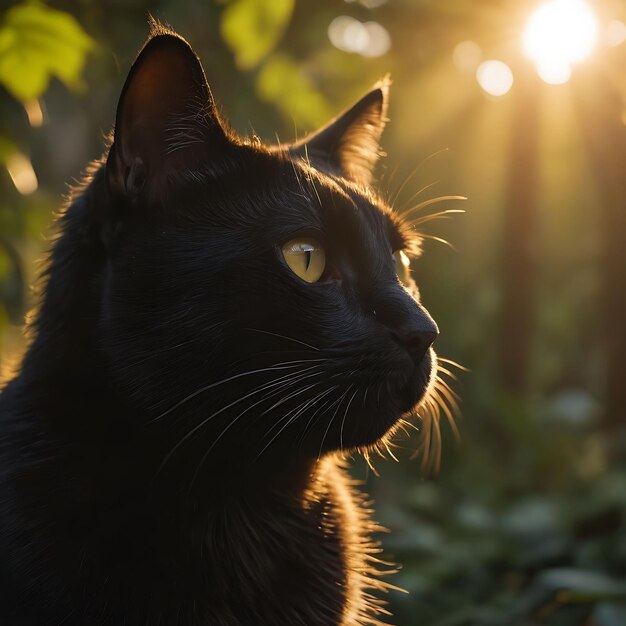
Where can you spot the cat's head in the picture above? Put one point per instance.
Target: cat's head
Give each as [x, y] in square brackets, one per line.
[256, 298]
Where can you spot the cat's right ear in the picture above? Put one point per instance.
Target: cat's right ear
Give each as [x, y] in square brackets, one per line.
[166, 118]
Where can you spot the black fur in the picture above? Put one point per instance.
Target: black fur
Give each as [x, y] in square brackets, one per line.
[168, 449]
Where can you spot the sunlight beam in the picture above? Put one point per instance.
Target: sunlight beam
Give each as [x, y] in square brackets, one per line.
[559, 34]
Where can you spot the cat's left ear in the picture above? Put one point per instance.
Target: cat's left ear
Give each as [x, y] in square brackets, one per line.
[349, 144]
[166, 118]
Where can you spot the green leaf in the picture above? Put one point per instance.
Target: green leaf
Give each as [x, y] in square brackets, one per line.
[36, 43]
[283, 82]
[252, 28]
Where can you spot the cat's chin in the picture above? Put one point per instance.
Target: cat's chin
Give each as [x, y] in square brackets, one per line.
[379, 416]
[381, 425]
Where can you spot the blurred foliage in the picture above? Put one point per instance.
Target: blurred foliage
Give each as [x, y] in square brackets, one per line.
[252, 28]
[282, 82]
[36, 43]
[526, 524]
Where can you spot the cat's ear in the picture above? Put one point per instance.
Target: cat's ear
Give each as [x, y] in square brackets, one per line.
[349, 144]
[166, 117]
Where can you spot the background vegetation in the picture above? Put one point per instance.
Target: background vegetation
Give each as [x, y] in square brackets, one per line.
[525, 523]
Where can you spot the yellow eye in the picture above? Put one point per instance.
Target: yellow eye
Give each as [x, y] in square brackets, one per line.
[306, 258]
[403, 267]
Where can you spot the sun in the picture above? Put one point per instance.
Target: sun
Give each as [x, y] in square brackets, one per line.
[558, 34]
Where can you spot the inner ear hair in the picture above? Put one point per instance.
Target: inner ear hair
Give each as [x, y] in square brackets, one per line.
[349, 144]
[166, 116]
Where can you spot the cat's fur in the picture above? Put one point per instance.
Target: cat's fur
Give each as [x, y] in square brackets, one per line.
[167, 451]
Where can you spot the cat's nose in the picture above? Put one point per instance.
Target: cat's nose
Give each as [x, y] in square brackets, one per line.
[417, 338]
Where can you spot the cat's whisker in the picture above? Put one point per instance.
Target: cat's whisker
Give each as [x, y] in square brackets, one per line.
[403, 425]
[442, 399]
[408, 424]
[294, 413]
[416, 195]
[279, 366]
[428, 413]
[232, 423]
[431, 417]
[245, 361]
[267, 332]
[279, 143]
[444, 386]
[448, 410]
[387, 444]
[439, 240]
[282, 388]
[436, 467]
[157, 352]
[298, 178]
[452, 411]
[332, 419]
[446, 371]
[426, 203]
[368, 460]
[343, 421]
[298, 195]
[309, 177]
[386, 181]
[431, 217]
[289, 397]
[196, 428]
[315, 413]
[453, 364]
[415, 171]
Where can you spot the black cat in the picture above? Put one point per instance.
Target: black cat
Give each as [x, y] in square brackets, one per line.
[220, 318]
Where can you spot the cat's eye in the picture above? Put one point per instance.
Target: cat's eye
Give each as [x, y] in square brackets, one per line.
[306, 258]
[403, 267]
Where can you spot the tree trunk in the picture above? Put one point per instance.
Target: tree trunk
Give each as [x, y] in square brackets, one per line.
[518, 262]
[600, 108]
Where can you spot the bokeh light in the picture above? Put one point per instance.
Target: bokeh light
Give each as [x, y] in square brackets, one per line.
[554, 73]
[559, 34]
[34, 112]
[369, 39]
[467, 56]
[22, 173]
[616, 33]
[495, 77]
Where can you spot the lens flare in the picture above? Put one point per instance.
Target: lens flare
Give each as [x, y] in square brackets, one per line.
[559, 34]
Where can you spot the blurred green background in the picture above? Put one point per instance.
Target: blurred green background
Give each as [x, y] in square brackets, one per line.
[525, 523]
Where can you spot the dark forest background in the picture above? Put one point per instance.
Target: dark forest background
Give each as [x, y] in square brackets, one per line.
[526, 521]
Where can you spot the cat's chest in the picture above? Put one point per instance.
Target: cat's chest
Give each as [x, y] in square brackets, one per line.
[271, 564]
[280, 567]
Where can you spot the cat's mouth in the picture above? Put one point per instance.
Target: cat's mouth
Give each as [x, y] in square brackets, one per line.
[368, 411]
[416, 388]
[405, 391]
